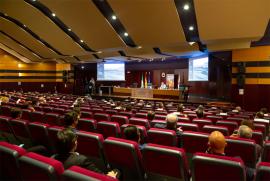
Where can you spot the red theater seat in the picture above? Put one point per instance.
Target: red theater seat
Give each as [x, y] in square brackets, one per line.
[5, 110]
[86, 124]
[160, 117]
[139, 121]
[37, 116]
[38, 167]
[211, 128]
[108, 129]
[26, 114]
[188, 126]
[82, 174]
[266, 152]
[155, 121]
[202, 122]
[141, 115]
[85, 114]
[51, 119]
[162, 137]
[263, 172]
[52, 131]
[213, 118]
[39, 134]
[101, 117]
[165, 163]
[126, 156]
[21, 131]
[219, 168]
[194, 142]
[9, 155]
[142, 130]
[231, 125]
[5, 128]
[119, 119]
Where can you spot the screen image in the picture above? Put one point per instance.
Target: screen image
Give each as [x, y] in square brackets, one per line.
[198, 69]
[111, 71]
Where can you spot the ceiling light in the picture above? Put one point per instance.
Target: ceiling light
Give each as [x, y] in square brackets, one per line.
[191, 28]
[53, 14]
[114, 17]
[81, 41]
[139, 47]
[125, 34]
[191, 43]
[99, 52]
[24, 25]
[34, 0]
[69, 29]
[5, 14]
[186, 7]
[82, 67]
[162, 59]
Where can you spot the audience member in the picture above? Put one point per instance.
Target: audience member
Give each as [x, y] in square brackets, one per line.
[16, 113]
[66, 153]
[150, 115]
[171, 124]
[260, 117]
[71, 120]
[132, 133]
[199, 113]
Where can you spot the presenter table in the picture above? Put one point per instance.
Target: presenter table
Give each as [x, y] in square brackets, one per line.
[147, 93]
[106, 87]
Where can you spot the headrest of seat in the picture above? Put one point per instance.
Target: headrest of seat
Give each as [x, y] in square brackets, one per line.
[20, 150]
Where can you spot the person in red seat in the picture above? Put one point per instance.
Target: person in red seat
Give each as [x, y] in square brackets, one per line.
[150, 115]
[132, 133]
[171, 124]
[66, 153]
[16, 113]
[216, 143]
[71, 120]
[199, 113]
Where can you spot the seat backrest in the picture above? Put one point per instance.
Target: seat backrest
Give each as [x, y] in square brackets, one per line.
[236, 119]
[20, 128]
[37, 116]
[119, 119]
[139, 121]
[164, 162]
[194, 142]
[156, 121]
[91, 145]
[257, 136]
[9, 166]
[108, 129]
[97, 110]
[202, 122]
[78, 173]
[37, 167]
[5, 110]
[111, 111]
[231, 125]
[184, 119]
[47, 109]
[51, 119]
[26, 114]
[266, 152]
[213, 167]
[117, 151]
[141, 115]
[188, 126]
[101, 117]
[128, 114]
[213, 118]
[260, 127]
[86, 114]
[87, 124]
[5, 125]
[142, 130]
[52, 131]
[244, 148]
[160, 117]
[59, 110]
[162, 137]
[263, 171]
[211, 128]
[39, 133]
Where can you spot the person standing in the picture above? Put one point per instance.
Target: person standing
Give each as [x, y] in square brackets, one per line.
[92, 86]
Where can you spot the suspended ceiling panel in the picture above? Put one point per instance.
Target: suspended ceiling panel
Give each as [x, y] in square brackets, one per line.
[229, 19]
[25, 38]
[108, 54]
[138, 51]
[87, 22]
[228, 44]
[151, 22]
[70, 60]
[41, 25]
[16, 47]
[179, 49]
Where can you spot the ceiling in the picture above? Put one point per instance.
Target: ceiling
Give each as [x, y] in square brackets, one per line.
[78, 31]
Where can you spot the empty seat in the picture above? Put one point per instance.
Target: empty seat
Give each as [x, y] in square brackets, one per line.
[119, 119]
[52, 131]
[188, 126]
[244, 148]
[236, 119]
[143, 133]
[162, 137]
[211, 128]
[97, 110]
[124, 113]
[139, 121]
[141, 115]
[257, 136]
[91, 145]
[165, 163]
[37, 116]
[51, 119]
[160, 117]
[26, 114]
[213, 167]
[264, 122]
[5, 110]
[39, 134]
[263, 172]
[266, 152]
[126, 156]
[101, 117]
[9, 155]
[184, 119]
[202, 122]
[58, 110]
[21, 131]
[111, 111]
[87, 124]
[37, 167]
[231, 125]
[47, 109]
[78, 173]
[155, 121]
[260, 127]
[213, 118]
[108, 129]
[194, 142]
[85, 114]
[6, 129]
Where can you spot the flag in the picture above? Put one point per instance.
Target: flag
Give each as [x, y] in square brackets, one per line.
[149, 78]
[145, 80]
[142, 81]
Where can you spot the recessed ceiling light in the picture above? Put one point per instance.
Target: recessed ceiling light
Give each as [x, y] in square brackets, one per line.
[69, 29]
[191, 43]
[34, 0]
[139, 47]
[191, 28]
[99, 52]
[125, 34]
[114, 17]
[186, 7]
[53, 14]
[24, 25]
[162, 59]
[81, 41]
[82, 67]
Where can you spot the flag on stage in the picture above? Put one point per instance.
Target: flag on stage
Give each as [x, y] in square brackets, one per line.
[145, 80]
[142, 81]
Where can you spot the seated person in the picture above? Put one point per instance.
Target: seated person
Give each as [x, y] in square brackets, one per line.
[160, 107]
[132, 133]
[180, 110]
[67, 145]
[264, 111]
[237, 109]
[260, 117]
[163, 85]
[199, 113]
[171, 124]
[128, 108]
[150, 115]
[16, 113]
[71, 120]
[216, 146]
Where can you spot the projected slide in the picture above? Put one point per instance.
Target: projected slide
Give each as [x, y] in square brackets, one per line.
[198, 69]
[112, 71]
